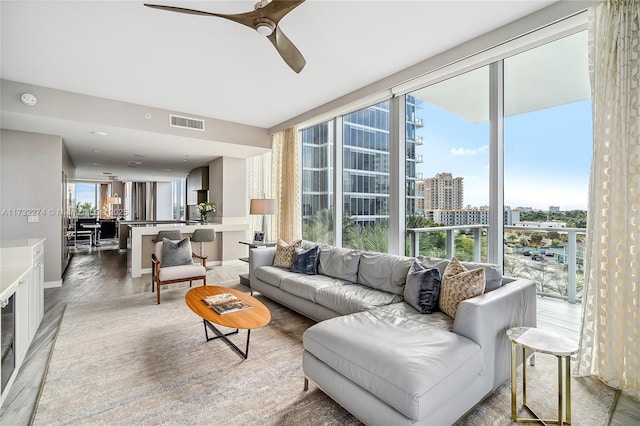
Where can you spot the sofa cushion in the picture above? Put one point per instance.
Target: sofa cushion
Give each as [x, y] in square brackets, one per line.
[422, 288]
[272, 274]
[307, 286]
[385, 272]
[348, 299]
[305, 261]
[459, 284]
[402, 310]
[176, 254]
[339, 263]
[284, 253]
[179, 272]
[493, 272]
[415, 371]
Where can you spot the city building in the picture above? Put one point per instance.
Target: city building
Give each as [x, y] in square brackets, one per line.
[554, 209]
[531, 224]
[443, 191]
[366, 164]
[457, 217]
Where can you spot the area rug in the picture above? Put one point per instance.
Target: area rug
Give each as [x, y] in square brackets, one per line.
[129, 361]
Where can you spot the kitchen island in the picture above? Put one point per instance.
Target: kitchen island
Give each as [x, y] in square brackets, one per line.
[224, 249]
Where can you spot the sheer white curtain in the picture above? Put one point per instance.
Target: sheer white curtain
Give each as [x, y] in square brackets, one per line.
[610, 334]
[286, 184]
[260, 187]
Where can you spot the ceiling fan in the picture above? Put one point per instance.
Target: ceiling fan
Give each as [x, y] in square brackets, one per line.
[264, 19]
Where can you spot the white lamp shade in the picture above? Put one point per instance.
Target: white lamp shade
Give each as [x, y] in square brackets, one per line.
[266, 206]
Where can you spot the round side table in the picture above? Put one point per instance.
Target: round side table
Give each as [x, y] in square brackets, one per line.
[546, 342]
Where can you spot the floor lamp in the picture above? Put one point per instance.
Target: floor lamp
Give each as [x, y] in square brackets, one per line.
[264, 206]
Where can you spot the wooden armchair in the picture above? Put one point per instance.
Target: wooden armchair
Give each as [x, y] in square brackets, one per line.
[174, 274]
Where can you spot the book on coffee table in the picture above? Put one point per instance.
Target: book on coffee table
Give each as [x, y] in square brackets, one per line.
[218, 299]
[227, 308]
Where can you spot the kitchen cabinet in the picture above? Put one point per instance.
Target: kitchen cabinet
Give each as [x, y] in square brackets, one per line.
[197, 186]
[21, 296]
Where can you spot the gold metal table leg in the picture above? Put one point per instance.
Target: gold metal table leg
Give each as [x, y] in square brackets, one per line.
[513, 380]
[524, 376]
[560, 389]
[567, 407]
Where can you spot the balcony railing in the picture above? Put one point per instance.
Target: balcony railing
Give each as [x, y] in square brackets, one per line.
[419, 140]
[419, 159]
[419, 176]
[418, 122]
[557, 272]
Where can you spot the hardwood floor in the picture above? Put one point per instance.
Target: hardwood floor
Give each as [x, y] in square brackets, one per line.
[95, 274]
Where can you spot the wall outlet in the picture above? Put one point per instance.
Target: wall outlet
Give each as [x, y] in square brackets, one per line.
[33, 219]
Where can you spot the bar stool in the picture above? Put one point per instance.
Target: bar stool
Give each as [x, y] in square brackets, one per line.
[203, 235]
[174, 235]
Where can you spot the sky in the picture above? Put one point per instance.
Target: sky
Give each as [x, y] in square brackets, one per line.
[547, 155]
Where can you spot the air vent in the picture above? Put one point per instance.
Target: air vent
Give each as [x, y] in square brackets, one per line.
[186, 122]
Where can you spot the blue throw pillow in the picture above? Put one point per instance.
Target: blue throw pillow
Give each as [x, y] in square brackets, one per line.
[306, 261]
[422, 289]
[176, 254]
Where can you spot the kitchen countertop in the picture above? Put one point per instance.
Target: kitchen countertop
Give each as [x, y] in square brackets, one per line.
[9, 278]
[20, 242]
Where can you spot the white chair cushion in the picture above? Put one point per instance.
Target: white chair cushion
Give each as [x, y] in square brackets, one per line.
[182, 272]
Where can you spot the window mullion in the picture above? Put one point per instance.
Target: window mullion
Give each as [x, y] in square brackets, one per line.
[495, 233]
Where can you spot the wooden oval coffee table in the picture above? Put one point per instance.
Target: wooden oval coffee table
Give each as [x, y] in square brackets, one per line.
[255, 317]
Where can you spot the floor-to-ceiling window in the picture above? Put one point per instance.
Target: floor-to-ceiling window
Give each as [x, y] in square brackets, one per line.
[462, 143]
[547, 157]
[447, 141]
[87, 196]
[317, 183]
[179, 198]
[366, 178]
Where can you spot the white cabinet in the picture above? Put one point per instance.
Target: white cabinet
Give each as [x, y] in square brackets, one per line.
[22, 287]
[22, 314]
[36, 291]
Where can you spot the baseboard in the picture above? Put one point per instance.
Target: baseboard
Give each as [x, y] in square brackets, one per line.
[53, 284]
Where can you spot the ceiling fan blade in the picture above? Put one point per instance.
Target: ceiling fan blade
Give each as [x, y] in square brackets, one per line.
[287, 50]
[241, 18]
[277, 9]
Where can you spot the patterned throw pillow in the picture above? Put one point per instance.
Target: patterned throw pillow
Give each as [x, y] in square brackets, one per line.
[422, 288]
[285, 253]
[459, 284]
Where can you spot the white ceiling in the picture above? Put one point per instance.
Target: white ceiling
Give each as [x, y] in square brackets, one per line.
[211, 67]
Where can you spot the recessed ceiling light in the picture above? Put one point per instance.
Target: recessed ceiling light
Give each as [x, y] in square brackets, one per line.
[29, 99]
[100, 133]
[185, 160]
[107, 173]
[96, 164]
[147, 116]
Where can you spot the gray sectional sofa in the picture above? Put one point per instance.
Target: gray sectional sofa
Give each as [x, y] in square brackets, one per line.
[380, 358]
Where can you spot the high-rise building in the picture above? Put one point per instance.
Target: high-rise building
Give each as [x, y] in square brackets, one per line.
[365, 154]
[443, 192]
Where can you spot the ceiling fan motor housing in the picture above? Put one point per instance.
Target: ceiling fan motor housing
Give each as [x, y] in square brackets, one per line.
[265, 26]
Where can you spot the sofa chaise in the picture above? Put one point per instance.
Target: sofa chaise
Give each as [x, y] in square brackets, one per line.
[382, 359]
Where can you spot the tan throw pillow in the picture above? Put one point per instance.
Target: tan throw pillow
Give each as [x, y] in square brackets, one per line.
[459, 284]
[285, 253]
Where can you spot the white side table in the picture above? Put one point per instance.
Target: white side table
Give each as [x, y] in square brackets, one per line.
[546, 342]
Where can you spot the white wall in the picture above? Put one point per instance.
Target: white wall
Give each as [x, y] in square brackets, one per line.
[31, 178]
[164, 210]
